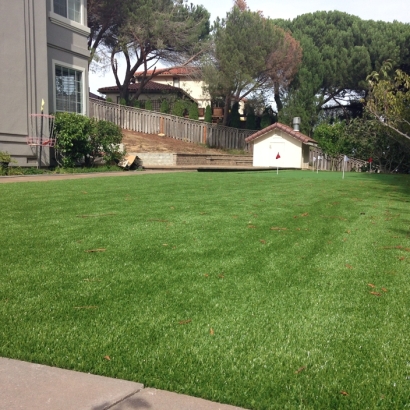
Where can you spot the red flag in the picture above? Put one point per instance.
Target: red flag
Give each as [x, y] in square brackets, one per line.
[277, 156]
[370, 159]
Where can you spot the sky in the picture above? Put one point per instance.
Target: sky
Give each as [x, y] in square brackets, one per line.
[389, 10]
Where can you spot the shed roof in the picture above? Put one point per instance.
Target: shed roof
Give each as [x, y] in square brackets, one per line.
[295, 134]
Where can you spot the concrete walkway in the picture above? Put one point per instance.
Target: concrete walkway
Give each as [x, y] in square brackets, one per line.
[29, 386]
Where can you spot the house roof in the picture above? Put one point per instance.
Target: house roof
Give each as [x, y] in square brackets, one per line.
[295, 134]
[171, 72]
[150, 88]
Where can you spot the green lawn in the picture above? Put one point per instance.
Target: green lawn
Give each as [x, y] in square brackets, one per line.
[253, 289]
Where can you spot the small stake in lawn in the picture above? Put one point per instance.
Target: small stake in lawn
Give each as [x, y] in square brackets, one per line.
[277, 168]
[314, 160]
[370, 162]
[345, 159]
[319, 157]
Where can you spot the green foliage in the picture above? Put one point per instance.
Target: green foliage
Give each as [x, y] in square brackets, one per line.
[104, 141]
[166, 30]
[165, 107]
[208, 114]
[235, 116]
[339, 51]
[72, 131]
[266, 119]
[244, 42]
[179, 108]
[148, 105]
[250, 118]
[109, 99]
[5, 156]
[137, 103]
[388, 100]
[193, 111]
[123, 101]
[81, 138]
[332, 138]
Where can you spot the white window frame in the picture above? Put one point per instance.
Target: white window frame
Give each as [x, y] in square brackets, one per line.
[83, 94]
[81, 27]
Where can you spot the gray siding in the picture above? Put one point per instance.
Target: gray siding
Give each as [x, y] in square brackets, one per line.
[23, 72]
[29, 41]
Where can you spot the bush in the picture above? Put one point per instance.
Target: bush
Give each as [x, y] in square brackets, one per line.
[208, 114]
[266, 119]
[193, 111]
[109, 99]
[164, 107]
[72, 132]
[104, 141]
[250, 118]
[179, 108]
[81, 138]
[235, 117]
[148, 105]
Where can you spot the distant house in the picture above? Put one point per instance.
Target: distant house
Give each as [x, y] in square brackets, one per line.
[154, 91]
[280, 146]
[186, 78]
[44, 55]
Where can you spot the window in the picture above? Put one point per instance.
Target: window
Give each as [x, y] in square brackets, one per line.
[70, 9]
[176, 82]
[68, 89]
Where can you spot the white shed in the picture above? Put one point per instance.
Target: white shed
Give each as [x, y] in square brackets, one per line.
[280, 146]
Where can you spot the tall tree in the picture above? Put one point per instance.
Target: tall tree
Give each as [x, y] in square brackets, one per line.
[249, 53]
[145, 32]
[339, 51]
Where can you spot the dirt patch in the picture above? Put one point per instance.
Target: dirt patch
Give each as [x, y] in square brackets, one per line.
[139, 142]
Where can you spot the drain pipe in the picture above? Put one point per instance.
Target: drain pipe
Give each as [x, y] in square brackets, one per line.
[296, 123]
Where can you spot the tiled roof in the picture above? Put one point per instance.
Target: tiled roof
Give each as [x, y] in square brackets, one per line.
[295, 134]
[171, 72]
[151, 86]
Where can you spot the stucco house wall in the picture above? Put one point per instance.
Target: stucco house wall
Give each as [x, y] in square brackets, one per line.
[32, 36]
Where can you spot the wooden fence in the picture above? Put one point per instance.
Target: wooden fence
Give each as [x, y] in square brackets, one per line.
[184, 129]
[327, 163]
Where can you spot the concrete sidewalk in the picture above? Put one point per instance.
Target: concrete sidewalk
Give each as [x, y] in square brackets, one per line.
[29, 386]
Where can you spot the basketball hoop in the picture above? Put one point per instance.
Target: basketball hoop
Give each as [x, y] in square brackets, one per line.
[42, 131]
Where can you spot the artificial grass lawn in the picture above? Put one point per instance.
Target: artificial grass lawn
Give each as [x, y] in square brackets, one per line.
[193, 291]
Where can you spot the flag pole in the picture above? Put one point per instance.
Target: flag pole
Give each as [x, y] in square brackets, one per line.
[343, 177]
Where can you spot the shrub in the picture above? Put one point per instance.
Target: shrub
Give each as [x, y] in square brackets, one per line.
[123, 101]
[193, 111]
[104, 141]
[265, 120]
[208, 114]
[137, 103]
[72, 132]
[164, 107]
[148, 105]
[109, 99]
[250, 118]
[81, 138]
[179, 108]
[235, 117]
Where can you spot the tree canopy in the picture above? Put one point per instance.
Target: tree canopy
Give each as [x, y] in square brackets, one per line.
[389, 100]
[339, 52]
[145, 32]
[249, 52]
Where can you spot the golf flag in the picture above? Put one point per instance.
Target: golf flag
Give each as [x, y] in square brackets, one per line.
[345, 159]
[370, 159]
[277, 156]
[42, 105]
